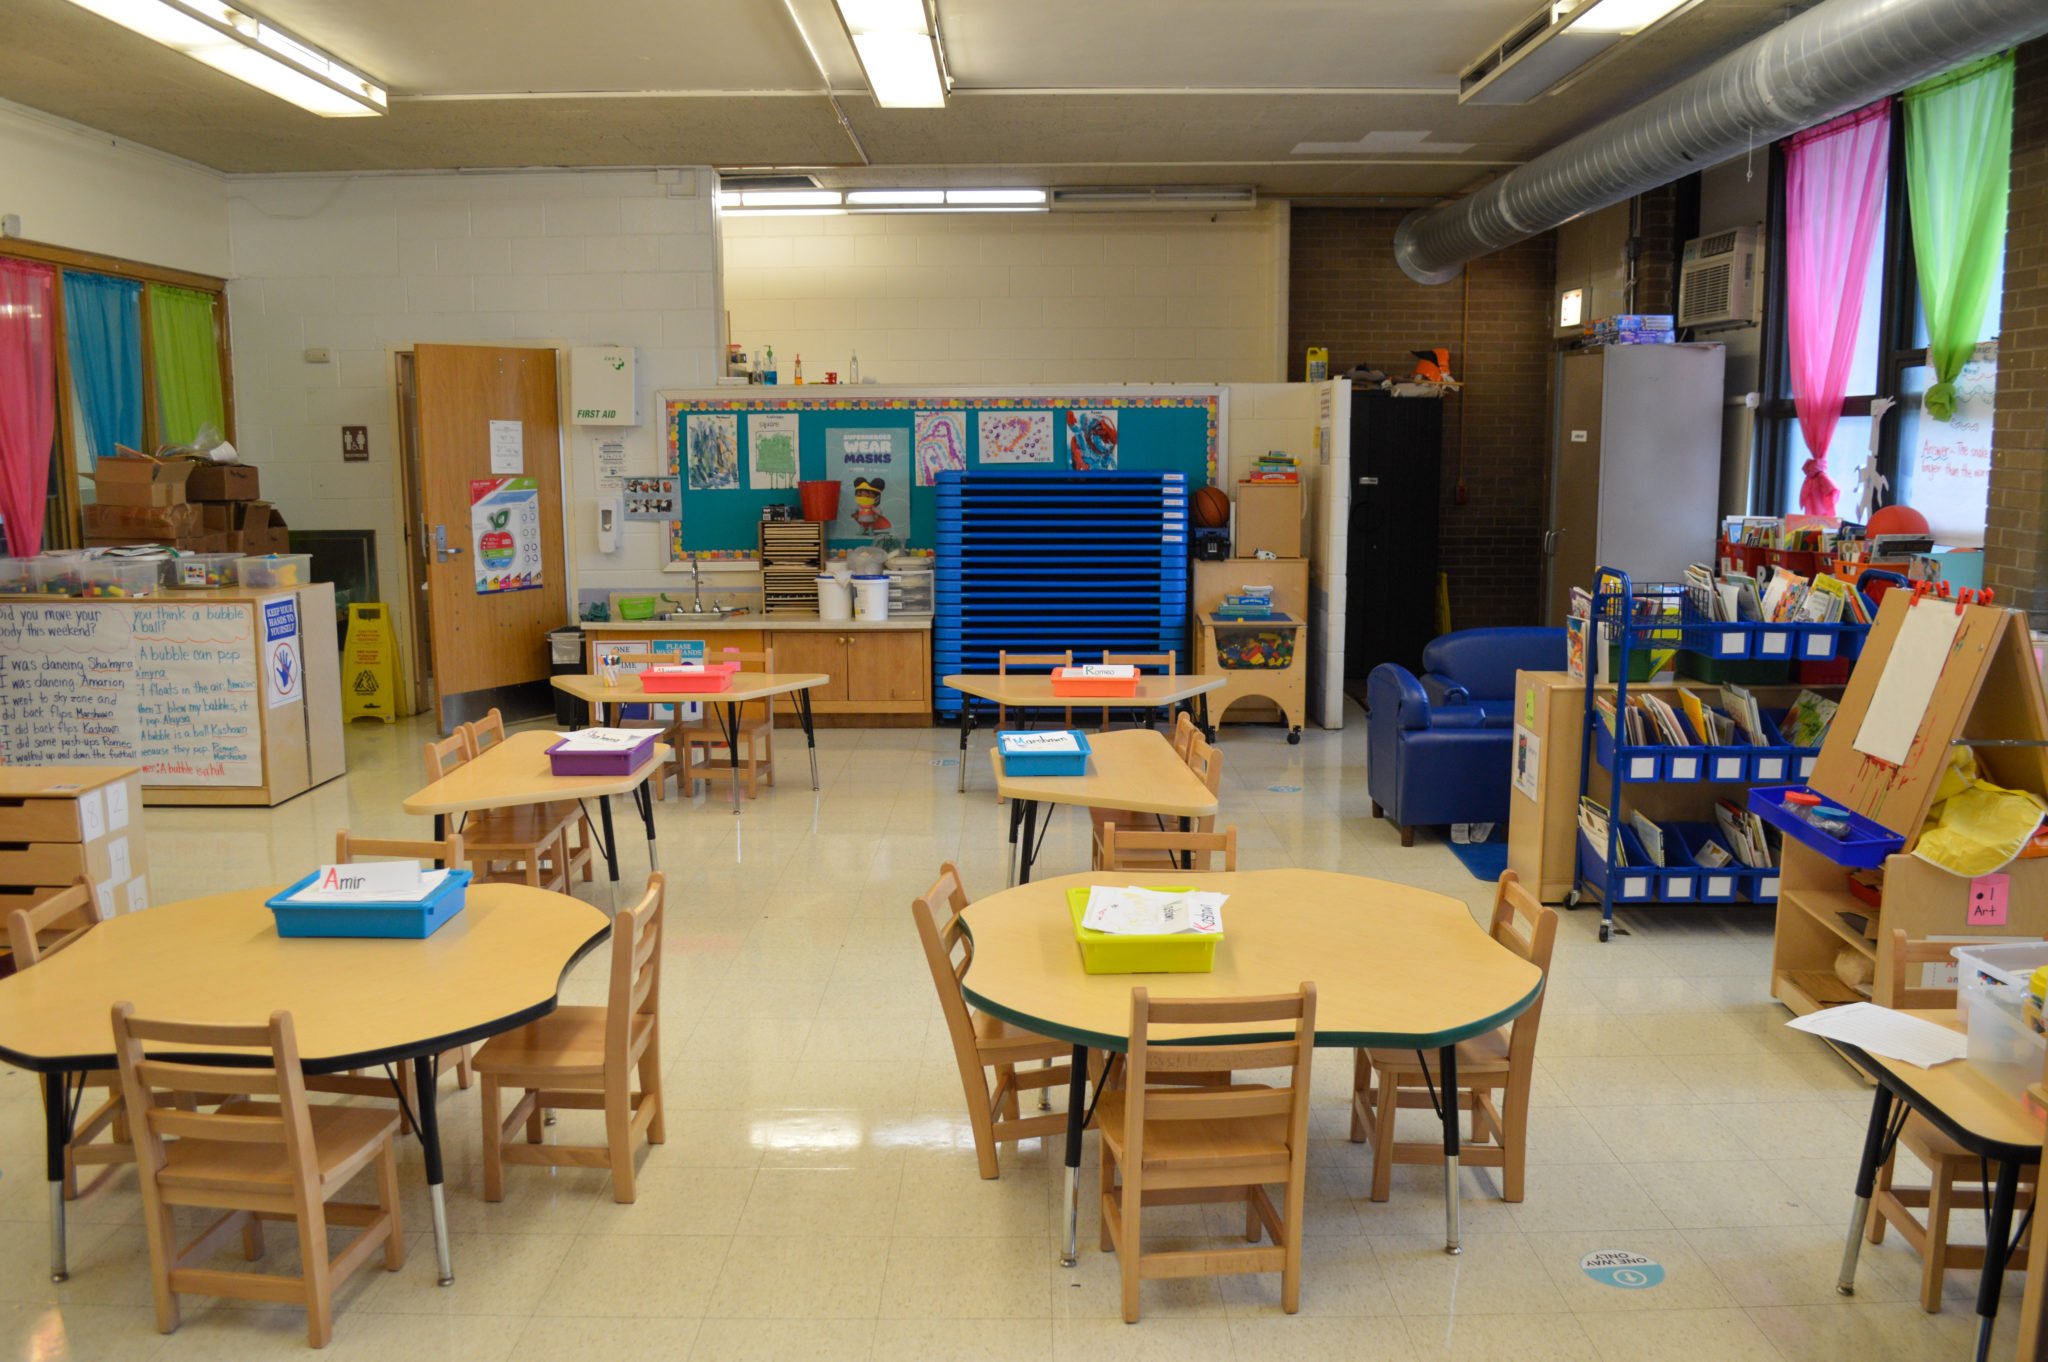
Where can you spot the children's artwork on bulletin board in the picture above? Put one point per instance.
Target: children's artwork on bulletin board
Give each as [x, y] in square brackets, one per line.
[771, 451]
[941, 444]
[714, 445]
[1016, 437]
[504, 523]
[871, 465]
[652, 498]
[1091, 440]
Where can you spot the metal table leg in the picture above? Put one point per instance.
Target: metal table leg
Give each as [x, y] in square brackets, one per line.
[1877, 1147]
[1447, 1078]
[426, 1073]
[611, 845]
[729, 724]
[1997, 1247]
[59, 1115]
[803, 712]
[966, 727]
[1077, 1120]
[1016, 820]
[643, 795]
[1030, 836]
[1208, 729]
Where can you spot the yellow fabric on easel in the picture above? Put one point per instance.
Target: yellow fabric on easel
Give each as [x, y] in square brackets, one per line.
[1976, 827]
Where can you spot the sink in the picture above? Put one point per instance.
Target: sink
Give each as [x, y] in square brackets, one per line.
[698, 616]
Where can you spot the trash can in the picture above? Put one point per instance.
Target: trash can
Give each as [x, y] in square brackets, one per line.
[565, 657]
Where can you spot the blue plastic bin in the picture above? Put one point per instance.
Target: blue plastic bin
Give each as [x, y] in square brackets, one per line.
[1866, 844]
[414, 921]
[1637, 882]
[1043, 763]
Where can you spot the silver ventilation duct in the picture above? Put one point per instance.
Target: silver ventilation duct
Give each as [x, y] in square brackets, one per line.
[1837, 56]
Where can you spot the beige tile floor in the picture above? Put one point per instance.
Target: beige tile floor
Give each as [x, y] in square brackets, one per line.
[817, 1196]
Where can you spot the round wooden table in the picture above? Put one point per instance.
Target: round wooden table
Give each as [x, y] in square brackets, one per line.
[1394, 967]
[355, 1002]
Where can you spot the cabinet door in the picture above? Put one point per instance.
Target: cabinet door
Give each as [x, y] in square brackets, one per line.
[813, 650]
[884, 665]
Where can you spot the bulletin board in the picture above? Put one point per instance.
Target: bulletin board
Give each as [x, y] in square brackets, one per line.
[721, 504]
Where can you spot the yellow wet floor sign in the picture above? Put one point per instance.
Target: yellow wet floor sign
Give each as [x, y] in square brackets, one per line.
[369, 670]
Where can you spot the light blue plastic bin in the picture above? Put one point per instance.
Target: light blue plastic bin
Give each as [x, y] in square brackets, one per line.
[1043, 763]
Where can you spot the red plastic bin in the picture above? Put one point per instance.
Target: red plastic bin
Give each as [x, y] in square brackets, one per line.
[669, 679]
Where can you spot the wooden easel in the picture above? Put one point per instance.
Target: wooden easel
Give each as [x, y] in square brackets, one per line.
[1989, 697]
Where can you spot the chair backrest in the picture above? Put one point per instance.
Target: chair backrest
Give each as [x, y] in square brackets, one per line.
[762, 661]
[635, 999]
[71, 913]
[143, 1079]
[487, 732]
[447, 754]
[1205, 759]
[1164, 661]
[937, 914]
[1136, 848]
[1153, 1071]
[1907, 958]
[1526, 927]
[349, 849]
[1184, 731]
[1032, 661]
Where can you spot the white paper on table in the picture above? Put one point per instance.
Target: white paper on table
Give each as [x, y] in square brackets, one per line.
[1881, 1031]
[1911, 672]
[379, 890]
[1040, 742]
[602, 740]
[1132, 911]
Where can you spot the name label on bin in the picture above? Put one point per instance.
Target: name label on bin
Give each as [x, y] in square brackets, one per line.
[398, 878]
[1623, 1269]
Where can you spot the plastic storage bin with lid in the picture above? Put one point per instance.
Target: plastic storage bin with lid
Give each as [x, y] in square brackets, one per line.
[18, 577]
[275, 570]
[201, 571]
[120, 577]
[1991, 993]
[910, 584]
[61, 572]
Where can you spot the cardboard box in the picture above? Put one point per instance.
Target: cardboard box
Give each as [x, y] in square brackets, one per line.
[178, 521]
[1268, 517]
[222, 482]
[221, 516]
[264, 530]
[141, 482]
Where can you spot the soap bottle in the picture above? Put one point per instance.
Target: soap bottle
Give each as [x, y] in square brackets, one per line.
[853, 368]
[799, 370]
[768, 365]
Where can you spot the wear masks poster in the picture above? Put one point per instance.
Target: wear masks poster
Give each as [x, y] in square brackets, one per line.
[873, 469]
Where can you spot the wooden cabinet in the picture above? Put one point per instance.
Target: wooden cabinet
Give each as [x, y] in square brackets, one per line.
[878, 675]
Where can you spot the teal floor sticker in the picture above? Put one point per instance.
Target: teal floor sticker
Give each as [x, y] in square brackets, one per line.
[1284, 789]
[1619, 1267]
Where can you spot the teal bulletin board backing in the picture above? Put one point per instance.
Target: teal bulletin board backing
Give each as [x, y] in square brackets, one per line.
[1178, 432]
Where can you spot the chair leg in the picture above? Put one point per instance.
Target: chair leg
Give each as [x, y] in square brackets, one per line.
[1254, 1229]
[1104, 1187]
[536, 1119]
[464, 1074]
[650, 1088]
[163, 1255]
[1361, 1085]
[1407, 836]
[1389, 1100]
[1290, 1225]
[618, 1135]
[1514, 1141]
[494, 1135]
[252, 1237]
[316, 1271]
[387, 1200]
[1934, 1263]
[1377, 811]
[1132, 1248]
[1874, 1231]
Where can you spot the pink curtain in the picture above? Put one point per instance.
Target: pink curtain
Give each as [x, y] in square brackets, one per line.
[1834, 202]
[28, 400]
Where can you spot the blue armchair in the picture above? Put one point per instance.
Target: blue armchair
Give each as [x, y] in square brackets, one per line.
[1439, 746]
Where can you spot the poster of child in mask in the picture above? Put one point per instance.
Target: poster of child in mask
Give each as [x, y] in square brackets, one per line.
[873, 468]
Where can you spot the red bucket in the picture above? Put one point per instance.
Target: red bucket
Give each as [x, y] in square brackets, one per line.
[820, 500]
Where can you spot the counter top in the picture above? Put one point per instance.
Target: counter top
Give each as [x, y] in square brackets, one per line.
[778, 624]
[218, 596]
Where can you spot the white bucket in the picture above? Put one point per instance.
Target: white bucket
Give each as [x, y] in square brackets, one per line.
[871, 596]
[835, 600]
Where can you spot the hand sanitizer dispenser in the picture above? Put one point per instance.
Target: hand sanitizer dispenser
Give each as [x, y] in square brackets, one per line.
[610, 511]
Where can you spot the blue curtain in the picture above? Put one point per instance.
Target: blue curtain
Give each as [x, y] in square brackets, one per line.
[103, 323]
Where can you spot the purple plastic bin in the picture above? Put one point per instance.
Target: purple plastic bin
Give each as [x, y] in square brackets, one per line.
[620, 763]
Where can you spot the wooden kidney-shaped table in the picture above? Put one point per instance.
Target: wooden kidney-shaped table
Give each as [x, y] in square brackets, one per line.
[1029, 691]
[1394, 967]
[1133, 768]
[355, 1002]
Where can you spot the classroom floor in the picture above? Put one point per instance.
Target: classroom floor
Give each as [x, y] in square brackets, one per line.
[817, 1197]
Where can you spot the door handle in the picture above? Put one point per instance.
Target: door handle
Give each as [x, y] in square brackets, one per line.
[1368, 482]
[1550, 542]
[443, 551]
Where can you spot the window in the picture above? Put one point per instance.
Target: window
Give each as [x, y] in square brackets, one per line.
[1943, 468]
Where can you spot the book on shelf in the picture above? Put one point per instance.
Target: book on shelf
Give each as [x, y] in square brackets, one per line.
[1747, 835]
[1806, 722]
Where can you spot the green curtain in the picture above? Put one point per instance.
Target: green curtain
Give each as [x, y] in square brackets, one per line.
[1958, 169]
[187, 362]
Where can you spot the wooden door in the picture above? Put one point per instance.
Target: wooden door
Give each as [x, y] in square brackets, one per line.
[885, 665]
[1571, 540]
[484, 640]
[813, 650]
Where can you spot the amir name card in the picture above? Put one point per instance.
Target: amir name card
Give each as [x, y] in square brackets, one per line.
[371, 882]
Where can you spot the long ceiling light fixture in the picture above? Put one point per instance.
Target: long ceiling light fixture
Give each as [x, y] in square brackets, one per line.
[252, 50]
[814, 202]
[898, 50]
[1554, 46]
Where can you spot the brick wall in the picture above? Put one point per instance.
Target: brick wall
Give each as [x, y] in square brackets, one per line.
[1346, 292]
[1658, 251]
[2016, 524]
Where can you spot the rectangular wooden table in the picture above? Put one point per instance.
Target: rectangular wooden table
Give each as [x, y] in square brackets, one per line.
[1027, 691]
[1134, 768]
[517, 772]
[724, 704]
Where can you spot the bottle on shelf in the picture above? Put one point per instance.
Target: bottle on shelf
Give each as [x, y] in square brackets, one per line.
[853, 368]
[799, 371]
[768, 365]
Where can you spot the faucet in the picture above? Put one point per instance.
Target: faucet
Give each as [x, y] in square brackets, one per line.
[696, 587]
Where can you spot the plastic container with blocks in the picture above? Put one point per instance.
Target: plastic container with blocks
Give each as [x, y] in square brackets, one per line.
[114, 578]
[201, 571]
[274, 571]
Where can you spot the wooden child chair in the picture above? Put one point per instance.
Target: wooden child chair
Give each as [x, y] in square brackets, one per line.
[1957, 1178]
[695, 742]
[585, 1058]
[267, 1155]
[1162, 664]
[1031, 662]
[1203, 757]
[488, 732]
[1502, 1061]
[982, 1042]
[34, 934]
[1173, 1143]
[1139, 849]
[509, 846]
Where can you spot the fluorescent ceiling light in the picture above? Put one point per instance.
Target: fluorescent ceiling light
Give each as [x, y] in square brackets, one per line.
[251, 50]
[973, 196]
[790, 198]
[782, 212]
[896, 196]
[893, 39]
[1625, 17]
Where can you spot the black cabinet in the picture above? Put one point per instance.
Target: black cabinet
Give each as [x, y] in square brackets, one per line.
[1396, 464]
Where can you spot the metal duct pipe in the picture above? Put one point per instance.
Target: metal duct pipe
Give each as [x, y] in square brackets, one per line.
[1837, 56]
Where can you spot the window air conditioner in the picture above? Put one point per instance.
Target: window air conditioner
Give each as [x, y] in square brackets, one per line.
[1719, 280]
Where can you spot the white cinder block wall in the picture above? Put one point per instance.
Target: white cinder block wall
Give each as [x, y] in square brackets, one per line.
[1015, 297]
[365, 265]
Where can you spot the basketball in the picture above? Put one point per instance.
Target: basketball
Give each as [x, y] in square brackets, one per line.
[1212, 507]
[1897, 520]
